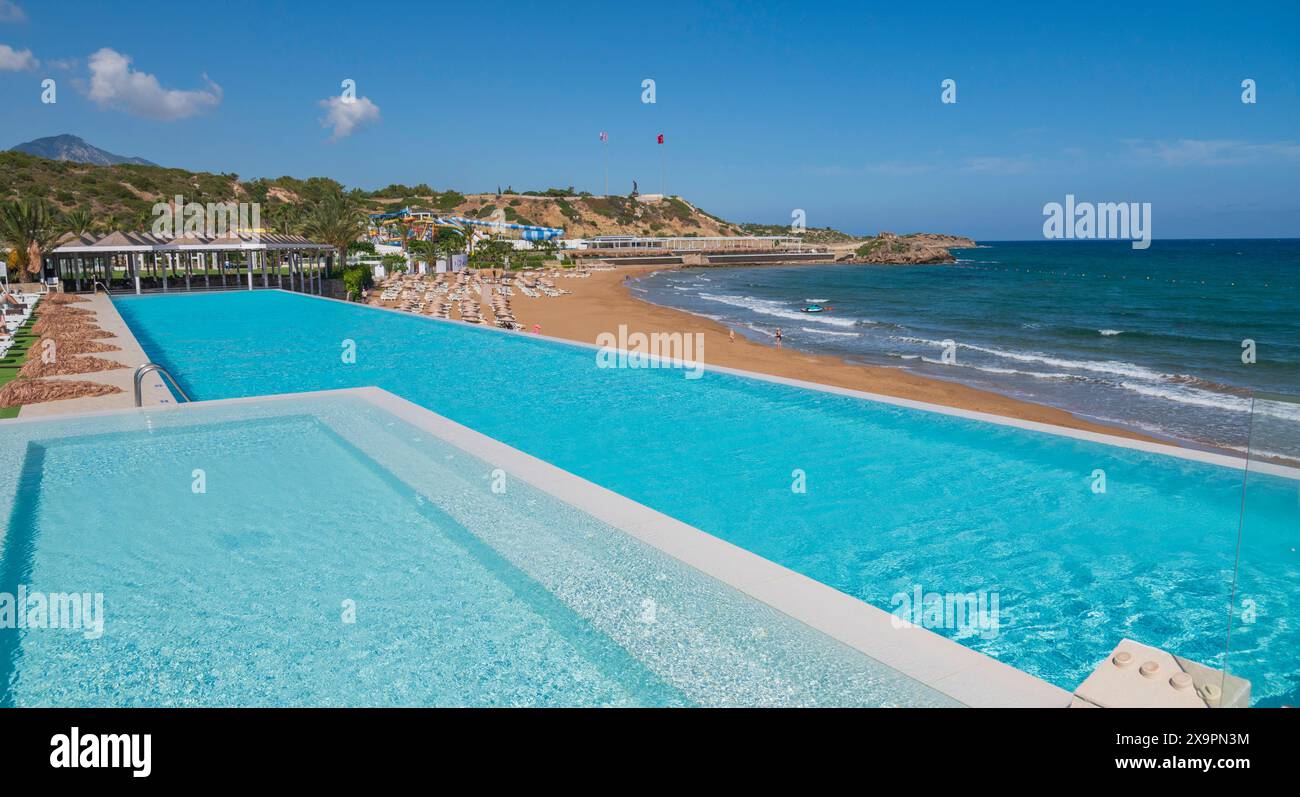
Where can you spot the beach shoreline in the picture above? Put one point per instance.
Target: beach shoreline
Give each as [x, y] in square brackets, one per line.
[602, 303]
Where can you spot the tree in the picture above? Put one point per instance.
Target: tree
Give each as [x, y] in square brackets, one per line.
[356, 279]
[78, 221]
[403, 232]
[427, 251]
[29, 227]
[284, 217]
[336, 221]
[546, 246]
[494, 252]
[450, 242]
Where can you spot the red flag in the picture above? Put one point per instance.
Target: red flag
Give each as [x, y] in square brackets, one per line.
[661, 138]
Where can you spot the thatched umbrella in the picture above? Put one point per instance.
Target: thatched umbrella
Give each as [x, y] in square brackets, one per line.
[63, 311]
[73, 345]
[21, 392]
[62, 366]
[63, 298]
[59, 328]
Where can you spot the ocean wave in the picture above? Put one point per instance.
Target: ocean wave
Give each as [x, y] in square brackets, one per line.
[1257, 454]
[1112, 367]
[1197, 397]
[992, 369]
[1108, 333]
[774, 309]
[1188, 395]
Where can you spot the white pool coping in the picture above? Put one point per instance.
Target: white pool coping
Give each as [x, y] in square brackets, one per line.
[963, 674]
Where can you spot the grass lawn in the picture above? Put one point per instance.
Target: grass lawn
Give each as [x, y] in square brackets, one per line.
[24, 340]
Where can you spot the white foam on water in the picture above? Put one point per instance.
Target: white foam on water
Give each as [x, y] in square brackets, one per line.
[1110, 332]
[992, 369]
[774, 309]
[1198, 397]
[1114, 367]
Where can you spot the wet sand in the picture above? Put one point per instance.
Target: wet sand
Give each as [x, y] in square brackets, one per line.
[602, 302]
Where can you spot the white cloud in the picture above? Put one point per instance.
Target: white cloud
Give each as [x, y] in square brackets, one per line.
[10, 12]
[1215, 152]
[114, 84]
[12, 60]
[346, 117]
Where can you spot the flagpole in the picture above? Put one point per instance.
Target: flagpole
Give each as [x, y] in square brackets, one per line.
[605, 147]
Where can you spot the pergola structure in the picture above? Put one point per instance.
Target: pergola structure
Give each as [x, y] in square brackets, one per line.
[151, 263]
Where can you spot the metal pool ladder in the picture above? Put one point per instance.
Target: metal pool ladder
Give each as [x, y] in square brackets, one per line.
[148, 368]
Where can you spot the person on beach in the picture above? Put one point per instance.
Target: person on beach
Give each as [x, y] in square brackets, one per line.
[778, 337]
[731, 333]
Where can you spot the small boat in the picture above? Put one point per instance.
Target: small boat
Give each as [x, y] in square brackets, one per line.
[813, 308]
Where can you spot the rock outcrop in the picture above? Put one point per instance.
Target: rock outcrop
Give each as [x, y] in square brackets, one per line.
[914, 249]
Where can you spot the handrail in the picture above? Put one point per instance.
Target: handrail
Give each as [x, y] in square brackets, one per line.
[154, 367]
[97, 284]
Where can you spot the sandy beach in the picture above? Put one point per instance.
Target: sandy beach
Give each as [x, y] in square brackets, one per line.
[602, 302]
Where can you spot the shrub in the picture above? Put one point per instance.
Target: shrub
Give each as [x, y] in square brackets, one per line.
[356, 279]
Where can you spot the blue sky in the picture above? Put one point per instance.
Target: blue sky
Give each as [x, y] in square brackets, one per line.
[827, 107]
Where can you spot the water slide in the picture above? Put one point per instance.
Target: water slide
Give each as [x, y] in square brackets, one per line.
[528, 232]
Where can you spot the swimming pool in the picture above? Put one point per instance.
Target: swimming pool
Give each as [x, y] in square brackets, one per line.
[895, 497]
[321, 551]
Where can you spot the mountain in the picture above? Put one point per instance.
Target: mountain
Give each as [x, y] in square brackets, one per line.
[71, 148]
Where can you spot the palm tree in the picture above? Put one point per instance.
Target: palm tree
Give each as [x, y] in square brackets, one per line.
[426, 251]
[78, 221]
[449, 242]
[546, 246]
[285, 217]
[403, 232]
[29, 227]
[338, 222]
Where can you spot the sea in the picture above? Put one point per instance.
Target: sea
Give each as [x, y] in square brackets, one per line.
[1193, 341]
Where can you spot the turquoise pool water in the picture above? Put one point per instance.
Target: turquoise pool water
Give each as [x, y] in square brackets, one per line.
[336, 556]
[896, 498]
